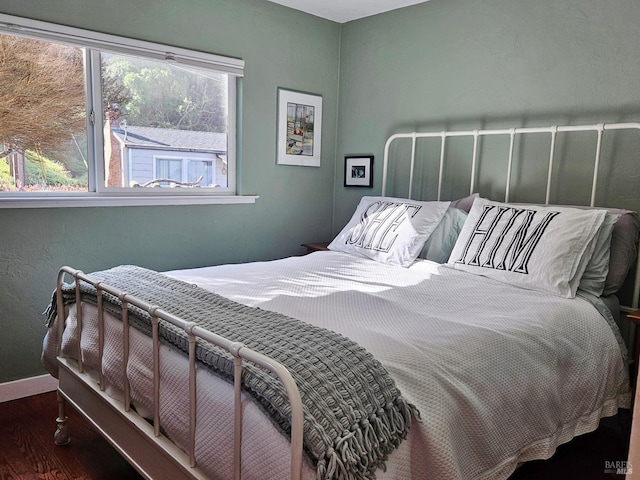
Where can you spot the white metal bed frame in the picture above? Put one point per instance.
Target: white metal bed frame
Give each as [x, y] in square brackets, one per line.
[599, 129]
[150, 452]
[142, 443]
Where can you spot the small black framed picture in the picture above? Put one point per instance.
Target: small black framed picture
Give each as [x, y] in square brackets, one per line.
[358, 171]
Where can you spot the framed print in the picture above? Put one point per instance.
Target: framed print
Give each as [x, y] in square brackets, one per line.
[299, 128]
[358, 171]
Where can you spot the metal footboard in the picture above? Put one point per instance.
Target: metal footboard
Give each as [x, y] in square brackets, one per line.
[239, 352]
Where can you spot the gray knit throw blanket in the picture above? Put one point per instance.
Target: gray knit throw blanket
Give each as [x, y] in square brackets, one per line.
[354, 415]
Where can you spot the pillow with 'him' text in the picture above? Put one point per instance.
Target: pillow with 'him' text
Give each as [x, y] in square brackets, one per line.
[543, 248]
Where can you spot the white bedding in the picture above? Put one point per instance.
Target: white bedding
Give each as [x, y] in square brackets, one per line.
[500, 374]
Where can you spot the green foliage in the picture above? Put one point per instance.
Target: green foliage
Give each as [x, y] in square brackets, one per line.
[72, 155]
[41, 172]
[5, 177]
[164, 95]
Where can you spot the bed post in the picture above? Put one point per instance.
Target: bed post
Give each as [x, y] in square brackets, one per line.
[61, 437]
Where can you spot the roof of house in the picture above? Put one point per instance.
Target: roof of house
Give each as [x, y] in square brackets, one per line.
[171, 139]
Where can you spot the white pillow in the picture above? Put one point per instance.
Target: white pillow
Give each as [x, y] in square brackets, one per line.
[535, 247]
[389, 230]
[440, 243]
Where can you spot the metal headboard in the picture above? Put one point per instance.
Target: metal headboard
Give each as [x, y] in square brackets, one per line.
[511, 133]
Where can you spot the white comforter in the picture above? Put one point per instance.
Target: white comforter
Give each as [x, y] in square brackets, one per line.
[501, 375]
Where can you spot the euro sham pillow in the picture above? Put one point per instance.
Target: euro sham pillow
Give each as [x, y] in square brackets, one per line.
[440, 243]
[389, 230]
[544, 248]
[465, 203]
[595, 274]
[624, 249]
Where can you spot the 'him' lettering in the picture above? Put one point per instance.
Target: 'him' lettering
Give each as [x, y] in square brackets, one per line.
[517, 253]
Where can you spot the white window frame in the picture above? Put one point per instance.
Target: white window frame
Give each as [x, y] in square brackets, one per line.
[98, 195]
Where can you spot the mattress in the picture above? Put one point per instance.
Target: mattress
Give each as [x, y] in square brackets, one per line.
[500, 375]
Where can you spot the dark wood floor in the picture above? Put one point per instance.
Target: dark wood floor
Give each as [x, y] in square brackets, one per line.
[27, 450]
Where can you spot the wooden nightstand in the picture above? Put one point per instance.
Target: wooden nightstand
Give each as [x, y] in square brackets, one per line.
[318, 246]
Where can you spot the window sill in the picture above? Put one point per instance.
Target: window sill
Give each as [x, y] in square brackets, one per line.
[92, 200]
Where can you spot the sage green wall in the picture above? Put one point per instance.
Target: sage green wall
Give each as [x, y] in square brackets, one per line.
[281, 48]
[472, 64]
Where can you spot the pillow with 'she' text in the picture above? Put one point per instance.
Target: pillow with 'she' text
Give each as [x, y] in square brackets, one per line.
[389, 230]
[542, 248]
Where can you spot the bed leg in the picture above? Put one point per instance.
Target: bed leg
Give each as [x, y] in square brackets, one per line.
[61, 437]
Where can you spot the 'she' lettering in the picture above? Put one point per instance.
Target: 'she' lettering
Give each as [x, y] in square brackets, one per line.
[377, 224]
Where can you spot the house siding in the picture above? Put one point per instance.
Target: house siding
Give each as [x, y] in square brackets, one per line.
[141, 163]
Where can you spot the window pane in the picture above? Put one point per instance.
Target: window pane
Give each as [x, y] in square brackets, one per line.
[201, 172]
[167, 169]
[157, 106]
[43, 143]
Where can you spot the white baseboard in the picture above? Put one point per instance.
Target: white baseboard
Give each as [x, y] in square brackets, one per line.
[26, 387]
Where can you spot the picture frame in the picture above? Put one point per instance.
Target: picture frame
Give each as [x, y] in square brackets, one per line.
[358, 171]
[299, 132]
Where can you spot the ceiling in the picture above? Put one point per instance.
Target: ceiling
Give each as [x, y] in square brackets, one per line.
[345, 10]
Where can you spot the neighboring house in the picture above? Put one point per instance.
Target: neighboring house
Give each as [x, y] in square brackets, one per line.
[142, 156]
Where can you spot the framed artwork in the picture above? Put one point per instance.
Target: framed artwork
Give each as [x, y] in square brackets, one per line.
[358, 171]
[299, 128]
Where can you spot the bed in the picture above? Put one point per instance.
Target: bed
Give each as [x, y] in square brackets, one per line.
[433, 339]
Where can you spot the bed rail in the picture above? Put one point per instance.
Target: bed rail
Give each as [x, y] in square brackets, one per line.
[599, 129]
[239, 352]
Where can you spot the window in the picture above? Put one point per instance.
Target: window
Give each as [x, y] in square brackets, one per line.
[168, 169]
[201, 171]
[170, 172]
[99, 119]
